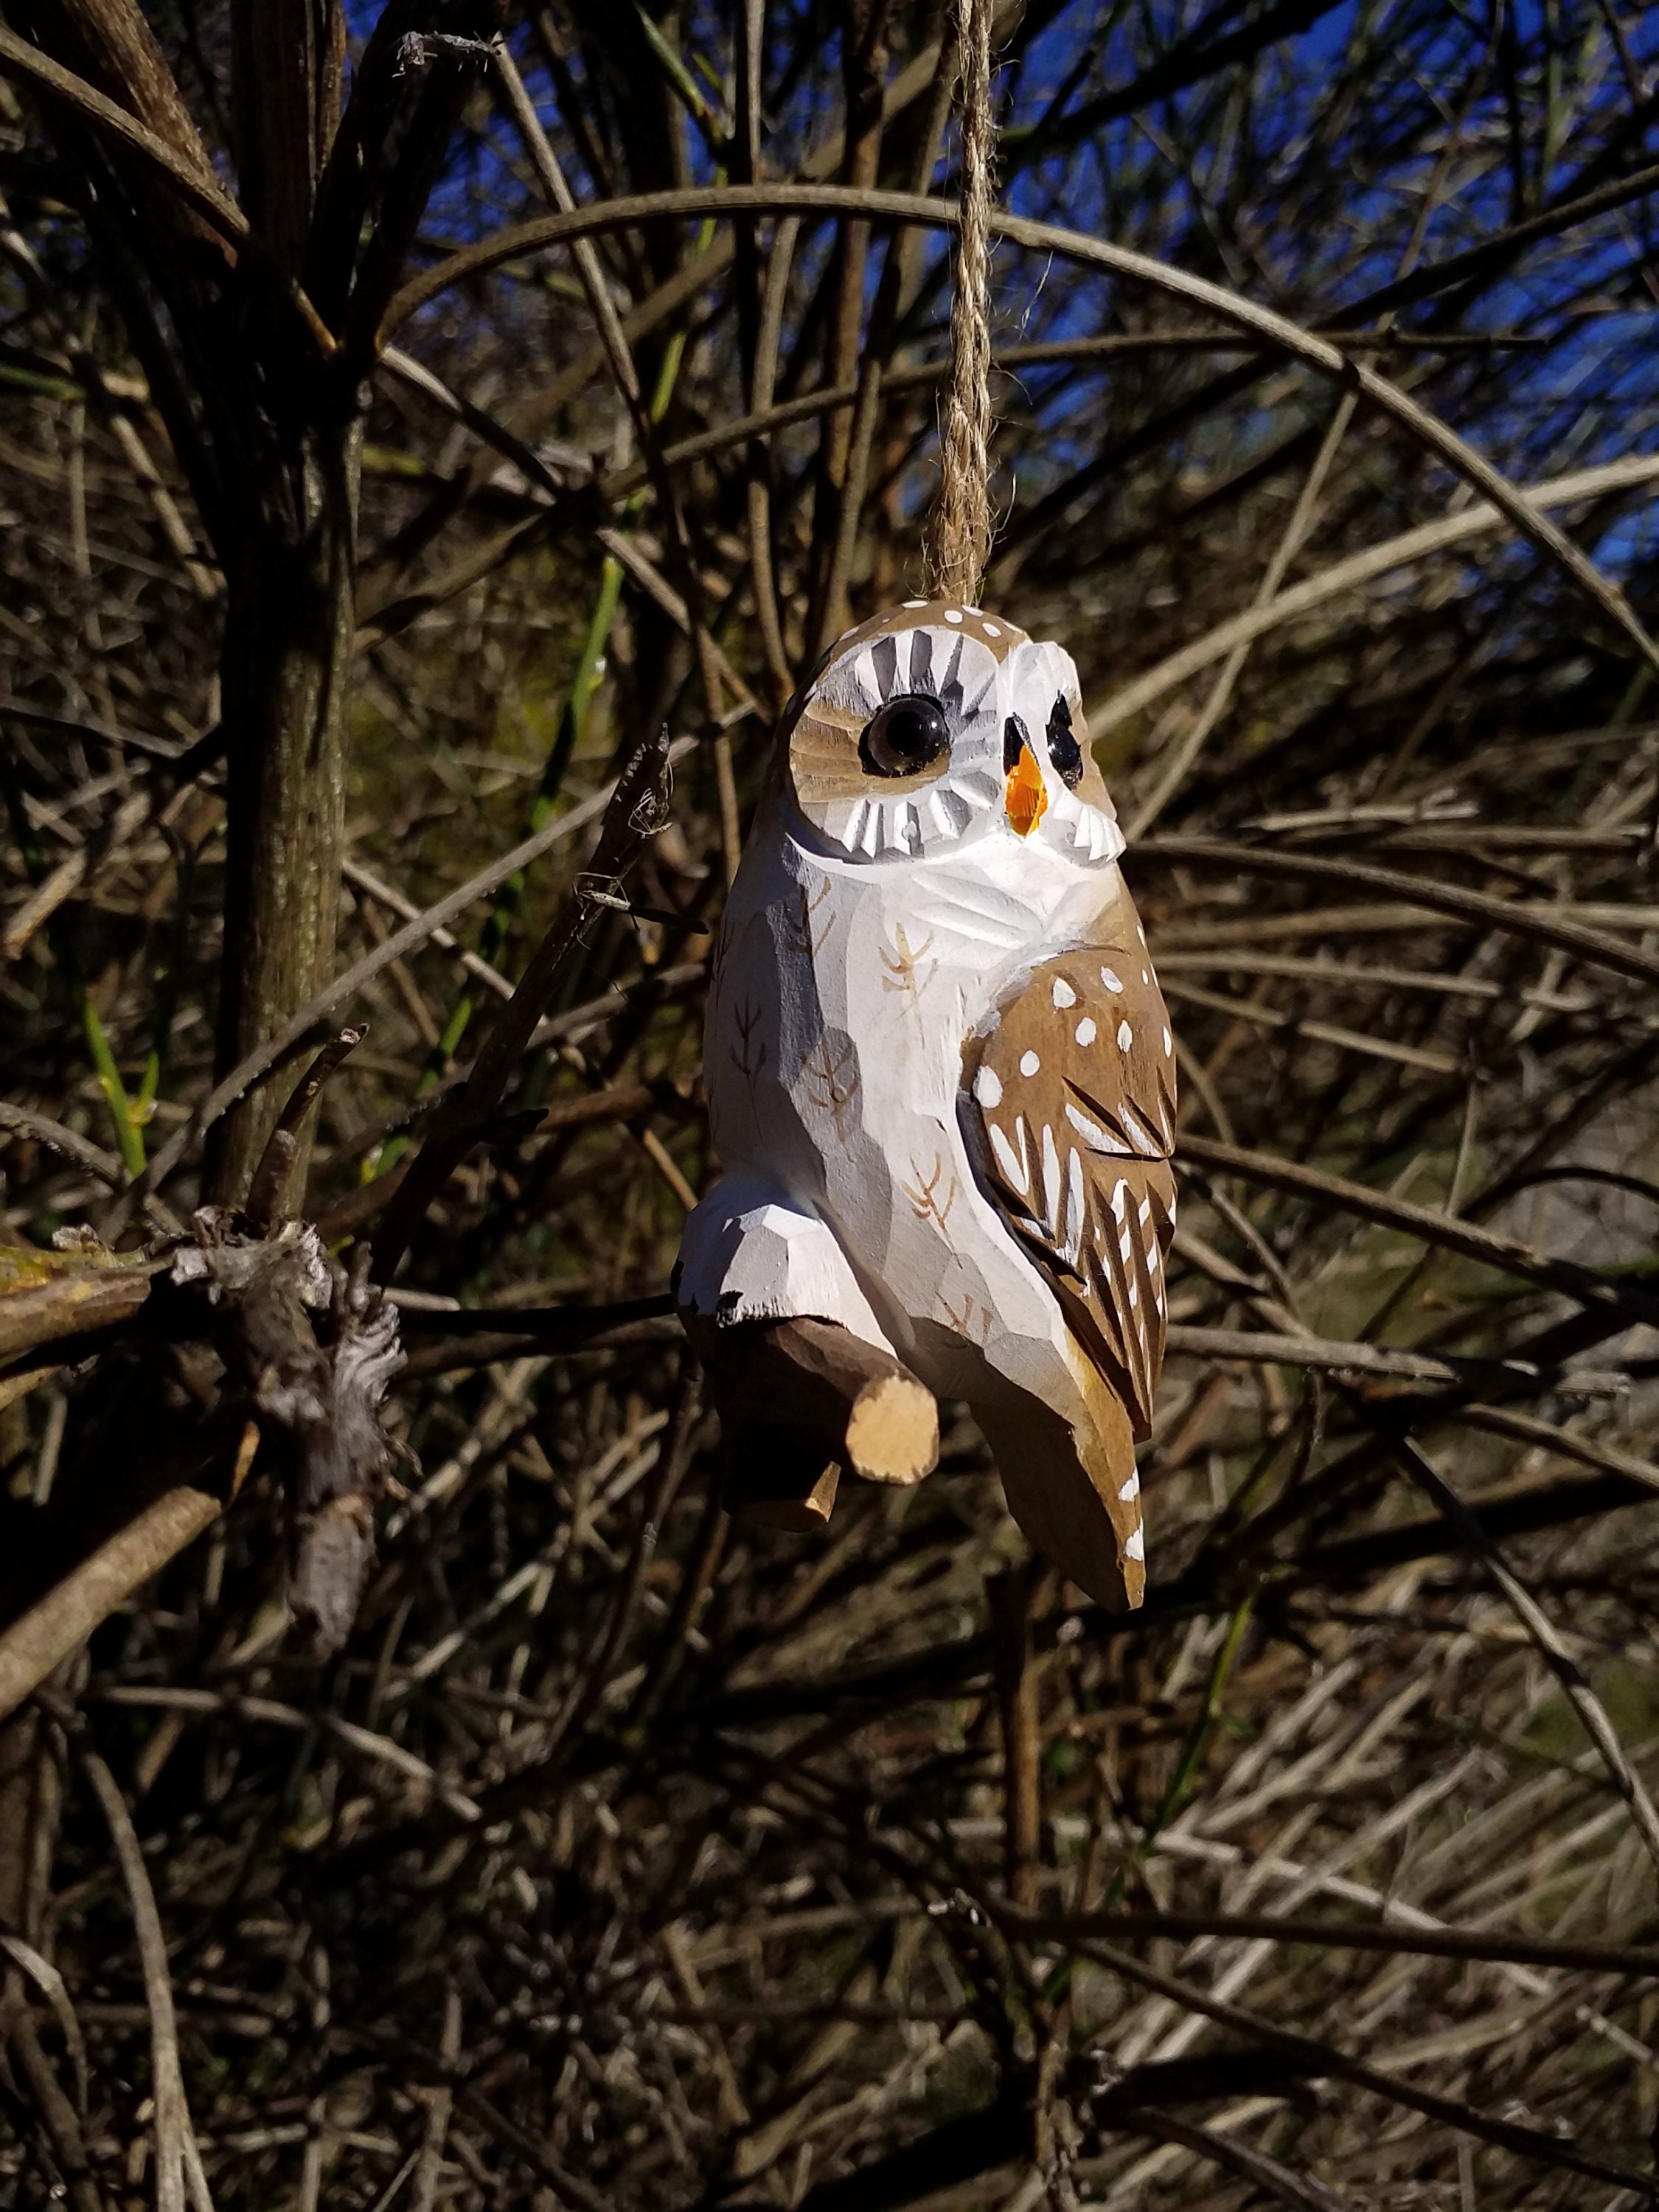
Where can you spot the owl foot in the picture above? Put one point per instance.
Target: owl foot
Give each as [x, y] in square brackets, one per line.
[799, 1401]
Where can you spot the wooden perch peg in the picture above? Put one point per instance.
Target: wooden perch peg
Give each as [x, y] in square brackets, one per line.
[801, 1402]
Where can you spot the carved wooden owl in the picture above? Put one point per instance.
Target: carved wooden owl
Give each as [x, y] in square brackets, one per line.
[939, 1069]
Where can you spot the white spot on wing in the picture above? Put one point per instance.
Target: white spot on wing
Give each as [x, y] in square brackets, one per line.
[953, 614]
[1086, 1032]
[1136, 1546]
[1168, 1044]
[1111, 979]
[1126, 1036]
[1029, 1063]
[1064, 995]
[1131, 1488]
[987, 1089]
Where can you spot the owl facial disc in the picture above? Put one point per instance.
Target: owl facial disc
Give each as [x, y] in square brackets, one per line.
[932, 727]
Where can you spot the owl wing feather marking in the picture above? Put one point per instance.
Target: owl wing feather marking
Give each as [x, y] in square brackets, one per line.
[1072, 1093]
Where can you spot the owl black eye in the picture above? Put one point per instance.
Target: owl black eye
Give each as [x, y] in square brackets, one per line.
[1064, 750]
[907, 735]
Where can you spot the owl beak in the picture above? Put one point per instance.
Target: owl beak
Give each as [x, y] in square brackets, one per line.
[1023, 796]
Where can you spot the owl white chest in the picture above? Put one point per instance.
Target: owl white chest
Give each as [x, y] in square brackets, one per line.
[844, 995]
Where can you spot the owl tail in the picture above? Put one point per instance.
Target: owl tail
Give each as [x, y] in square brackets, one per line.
[1075, 1492]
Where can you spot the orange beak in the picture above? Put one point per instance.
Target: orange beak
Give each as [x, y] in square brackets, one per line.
[1023, 795]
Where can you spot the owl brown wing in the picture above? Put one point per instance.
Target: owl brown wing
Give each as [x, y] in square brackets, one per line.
[1069, 1101]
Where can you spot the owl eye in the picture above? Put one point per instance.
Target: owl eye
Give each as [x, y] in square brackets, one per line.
[907, 735]
[1064, 750]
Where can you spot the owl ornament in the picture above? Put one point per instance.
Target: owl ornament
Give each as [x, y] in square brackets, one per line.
[942, 1086]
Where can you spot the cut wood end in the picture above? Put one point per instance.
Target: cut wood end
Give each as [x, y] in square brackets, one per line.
[893, 1432]
[803, 1515]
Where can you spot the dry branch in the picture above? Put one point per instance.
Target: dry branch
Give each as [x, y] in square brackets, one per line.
[46, 1296]
[62, 1621]
[326, 1394]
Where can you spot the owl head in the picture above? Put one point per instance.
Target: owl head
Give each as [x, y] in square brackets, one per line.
[934, 727]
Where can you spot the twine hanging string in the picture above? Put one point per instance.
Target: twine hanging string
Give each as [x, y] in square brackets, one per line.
[962, 521]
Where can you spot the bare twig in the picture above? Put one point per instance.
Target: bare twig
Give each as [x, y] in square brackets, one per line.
[66, 1616]
[1586, 1704]
[266, 1056]
[178, 2161]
